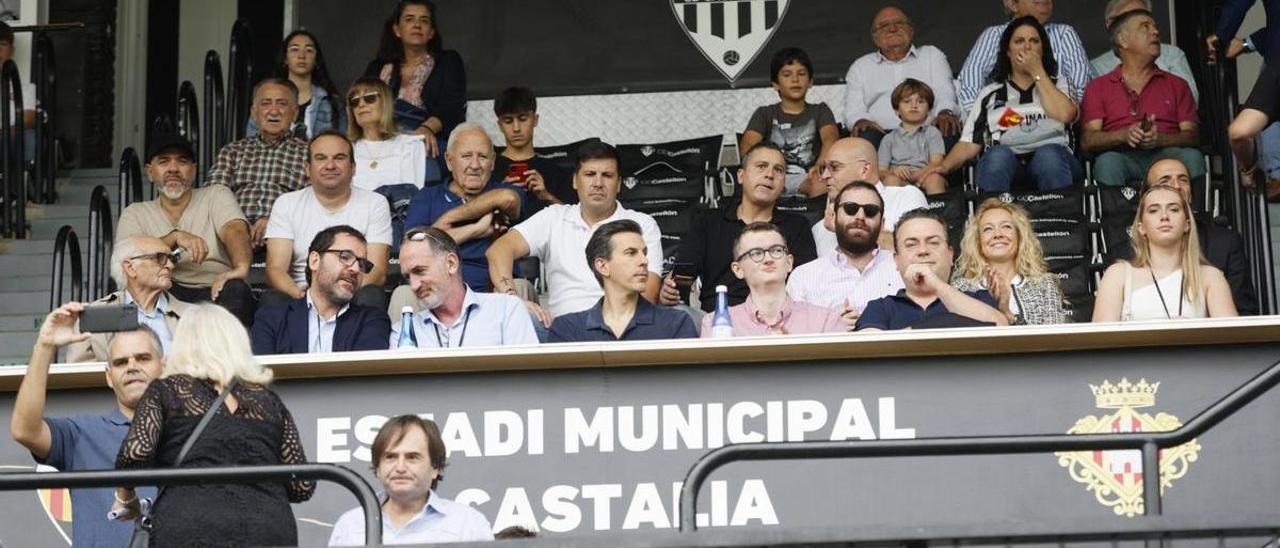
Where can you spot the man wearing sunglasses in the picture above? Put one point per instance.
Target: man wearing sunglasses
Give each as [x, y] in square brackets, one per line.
[331, 200]
[326, 318]
[205, 223]
[855, 159]
[143, 267]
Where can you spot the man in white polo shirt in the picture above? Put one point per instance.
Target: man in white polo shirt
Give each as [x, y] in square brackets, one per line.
[558, 236]
[854, 159]
[331, 200]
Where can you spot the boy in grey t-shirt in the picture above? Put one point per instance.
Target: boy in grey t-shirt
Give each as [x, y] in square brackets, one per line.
[802, 130]
[906, 151]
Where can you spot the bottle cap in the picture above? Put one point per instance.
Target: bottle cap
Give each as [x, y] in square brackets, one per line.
[406, 310]
[721, 289]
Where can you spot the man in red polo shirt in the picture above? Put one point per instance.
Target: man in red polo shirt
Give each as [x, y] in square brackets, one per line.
[1138, 113]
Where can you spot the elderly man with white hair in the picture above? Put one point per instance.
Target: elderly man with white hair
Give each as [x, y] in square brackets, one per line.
[143, 267]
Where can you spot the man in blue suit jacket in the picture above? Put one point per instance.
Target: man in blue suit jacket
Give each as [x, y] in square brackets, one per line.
[325, 319]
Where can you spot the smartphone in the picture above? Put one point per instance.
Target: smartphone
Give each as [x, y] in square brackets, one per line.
[109, 318]
[518, 172]
[684, 273]
[1146, 124]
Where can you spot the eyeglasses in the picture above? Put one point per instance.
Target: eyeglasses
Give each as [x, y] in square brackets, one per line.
[835, 167]
[162, 258]
[851, 209]
[756, 254]
[369, 98]
[347, 258]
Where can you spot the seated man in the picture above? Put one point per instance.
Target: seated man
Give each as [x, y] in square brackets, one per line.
[543, 181]
[1073, 63]
[1171, 58]
[451, 314]
[331, 200]
[261, 168]
[762, 259]
[143, 267]
[1138, 112]
[558, 234]
[470, 208]
[708, 245]
[408, 458]
[618, 257]
[873, 77]
[85, 442]
[206, 223]
[853, 159]
[859, 271]
[924, 259]
[325, 319]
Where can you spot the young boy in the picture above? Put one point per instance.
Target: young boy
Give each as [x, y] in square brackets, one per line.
[518, 164]
[914, 145]
[802, 130]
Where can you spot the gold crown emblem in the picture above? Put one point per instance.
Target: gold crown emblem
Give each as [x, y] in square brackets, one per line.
[1125, 394]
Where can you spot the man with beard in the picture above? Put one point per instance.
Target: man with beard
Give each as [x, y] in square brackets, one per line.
[859, 271]
[143, 267]
[325, 319]
[708, 245]
[85, 442]
[854, 159]
[205, 223]
[450, 314]
[924, 257]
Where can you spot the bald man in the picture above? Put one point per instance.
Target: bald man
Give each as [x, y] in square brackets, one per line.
[854, 159]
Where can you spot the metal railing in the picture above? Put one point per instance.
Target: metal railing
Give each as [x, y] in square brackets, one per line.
[215, 133]
[130, 179]
[213, 475]
[1150, 443]
[239, 73]
[101, 242]
[66, 242]
[188, 120]
[44, 75]
[14, 188]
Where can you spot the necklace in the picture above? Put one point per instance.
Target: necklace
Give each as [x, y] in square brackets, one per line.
[375, 151]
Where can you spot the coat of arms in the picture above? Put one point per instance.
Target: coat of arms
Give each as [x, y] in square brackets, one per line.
[729, 33]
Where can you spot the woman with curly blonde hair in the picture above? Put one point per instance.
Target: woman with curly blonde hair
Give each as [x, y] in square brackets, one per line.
[1000, 253]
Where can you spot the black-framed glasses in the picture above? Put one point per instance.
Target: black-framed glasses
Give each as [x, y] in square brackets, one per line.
[348, 258]
[369, 98]
[756, 254]
[161, 258]
[851, 209]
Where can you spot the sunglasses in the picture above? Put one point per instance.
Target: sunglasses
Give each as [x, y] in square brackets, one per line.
[369, 98]
[851, 209]
[422, 235]
[347, 258]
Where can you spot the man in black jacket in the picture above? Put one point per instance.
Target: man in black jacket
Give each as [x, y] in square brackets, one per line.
[325, 319]
[1222, 247]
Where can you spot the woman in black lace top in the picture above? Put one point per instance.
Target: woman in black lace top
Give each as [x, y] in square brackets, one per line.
[252, 427]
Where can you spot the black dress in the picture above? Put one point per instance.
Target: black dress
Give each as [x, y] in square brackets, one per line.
[261, 431]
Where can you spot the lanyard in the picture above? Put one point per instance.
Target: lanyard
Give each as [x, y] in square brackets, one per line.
[1181, 289]
[466, 319]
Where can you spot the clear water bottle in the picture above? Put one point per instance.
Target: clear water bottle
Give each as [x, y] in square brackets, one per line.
[720, 324]
[407, 340]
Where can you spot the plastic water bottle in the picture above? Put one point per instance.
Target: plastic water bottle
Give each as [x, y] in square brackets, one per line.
[407, 340]
[720, 324]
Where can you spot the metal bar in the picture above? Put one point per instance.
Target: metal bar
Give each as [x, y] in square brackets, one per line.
[239, 71]
[1151, 502]
[17, 157]
[66, 241]
[49, 27]
[215, 475]
[189, 121]
[215, 117]
[968, 446]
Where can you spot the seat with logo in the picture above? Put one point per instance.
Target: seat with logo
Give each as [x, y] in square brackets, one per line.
[668, 181]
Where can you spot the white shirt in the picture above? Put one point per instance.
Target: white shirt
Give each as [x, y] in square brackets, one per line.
[828, 281]
[487, 319]
[399, 160]
[870, 81]
[155, 320]
[897, 201]
[298, 216]
[558, 236]
[319, 330]
[441, 520]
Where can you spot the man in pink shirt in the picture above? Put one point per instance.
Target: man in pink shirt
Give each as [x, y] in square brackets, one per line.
[762, 259]
[1138, 113]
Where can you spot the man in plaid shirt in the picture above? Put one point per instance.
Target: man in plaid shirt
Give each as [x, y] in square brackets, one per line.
[261, 168]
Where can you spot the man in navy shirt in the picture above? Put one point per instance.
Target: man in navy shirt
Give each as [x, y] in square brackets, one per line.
[470, 208]
[618, 258]
[923, 257]
[85, 442]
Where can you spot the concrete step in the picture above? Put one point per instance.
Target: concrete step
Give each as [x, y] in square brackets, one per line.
[36, 247]
[32, 282]
[14, 323]
[60, 211]
[15, 344]
[24, 302]
[80, 197]
[48, 230]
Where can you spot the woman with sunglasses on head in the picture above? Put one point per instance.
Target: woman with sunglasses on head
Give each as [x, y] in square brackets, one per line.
[429, 83]
[319, 105]
[1168, 278]
[1001, 254]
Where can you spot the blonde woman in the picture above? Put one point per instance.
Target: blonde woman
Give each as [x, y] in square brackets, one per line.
[1167, 278]
[383, 155]
[1000, 253]
[211, 354]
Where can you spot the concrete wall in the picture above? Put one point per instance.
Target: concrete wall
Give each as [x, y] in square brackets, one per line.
[205, 25]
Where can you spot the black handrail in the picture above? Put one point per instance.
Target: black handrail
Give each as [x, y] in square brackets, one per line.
[215, 112]
[11, 152]
[101, 242]
[189, 120]
[213, 475]
[130, 178]
[65, 242]
[44, 75]
[239, 71]
[1150, 443]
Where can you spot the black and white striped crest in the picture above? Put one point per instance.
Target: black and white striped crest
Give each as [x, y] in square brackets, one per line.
[730, 33]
